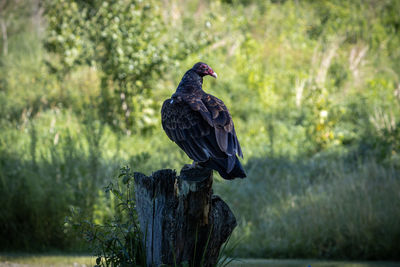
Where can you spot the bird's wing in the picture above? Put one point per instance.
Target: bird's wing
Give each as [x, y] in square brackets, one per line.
[187, 127]
[214, 111]
[223, 124]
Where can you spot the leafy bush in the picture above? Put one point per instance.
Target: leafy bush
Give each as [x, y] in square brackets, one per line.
[127, 41]
[117, 242]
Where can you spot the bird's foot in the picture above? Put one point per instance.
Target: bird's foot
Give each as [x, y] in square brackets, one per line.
[195, 172]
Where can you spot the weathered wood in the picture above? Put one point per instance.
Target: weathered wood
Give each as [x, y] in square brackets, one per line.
[181, 220]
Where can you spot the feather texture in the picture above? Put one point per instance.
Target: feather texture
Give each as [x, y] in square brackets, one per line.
[200, 124]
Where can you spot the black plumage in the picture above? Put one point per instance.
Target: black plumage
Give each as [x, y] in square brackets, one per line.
[200, 124]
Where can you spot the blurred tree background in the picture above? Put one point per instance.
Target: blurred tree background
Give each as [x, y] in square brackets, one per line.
[313, 87]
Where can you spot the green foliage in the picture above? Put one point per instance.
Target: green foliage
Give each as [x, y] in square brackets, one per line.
[313, 87]
[317, 208]
[117, 242]
[47, 170]
[121, 38]
[127, 41]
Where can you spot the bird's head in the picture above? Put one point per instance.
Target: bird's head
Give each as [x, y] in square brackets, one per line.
[203, 69]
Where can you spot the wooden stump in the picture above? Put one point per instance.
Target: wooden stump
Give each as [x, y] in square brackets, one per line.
[181, 220]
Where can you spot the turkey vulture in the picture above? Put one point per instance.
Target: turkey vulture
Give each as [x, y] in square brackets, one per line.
[200, 124]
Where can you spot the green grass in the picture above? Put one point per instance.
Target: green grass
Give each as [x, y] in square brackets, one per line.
[82, 260]
[306, 263]
[46, 260]
[335, 205]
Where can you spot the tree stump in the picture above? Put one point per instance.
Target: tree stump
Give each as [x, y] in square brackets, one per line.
[180, 218]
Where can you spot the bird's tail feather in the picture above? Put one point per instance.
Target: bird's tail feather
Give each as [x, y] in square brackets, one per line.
[220, 165]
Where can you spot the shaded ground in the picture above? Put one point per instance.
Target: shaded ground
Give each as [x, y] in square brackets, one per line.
[25, 260]
[309, 263]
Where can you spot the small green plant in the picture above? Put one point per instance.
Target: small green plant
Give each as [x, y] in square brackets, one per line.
[227, 251]
[117, 242]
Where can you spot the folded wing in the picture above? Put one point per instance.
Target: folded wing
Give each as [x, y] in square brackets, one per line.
[189, 130]
[203, 128]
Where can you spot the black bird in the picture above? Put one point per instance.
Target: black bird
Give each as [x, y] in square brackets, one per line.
[200, 124]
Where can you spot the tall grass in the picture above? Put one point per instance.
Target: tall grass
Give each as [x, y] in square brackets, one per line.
[319, 208]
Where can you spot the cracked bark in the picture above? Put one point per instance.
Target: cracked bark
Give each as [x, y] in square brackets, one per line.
[180, 218]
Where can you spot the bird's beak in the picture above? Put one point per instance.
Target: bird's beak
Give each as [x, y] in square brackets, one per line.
[214, 74]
